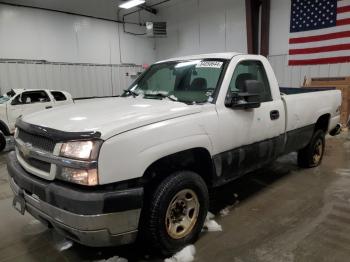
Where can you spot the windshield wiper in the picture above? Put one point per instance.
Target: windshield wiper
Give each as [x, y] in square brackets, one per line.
[130, 92]
[161, 96]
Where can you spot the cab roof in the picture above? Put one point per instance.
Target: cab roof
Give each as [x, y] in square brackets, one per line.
[227, 55]
[21, 90]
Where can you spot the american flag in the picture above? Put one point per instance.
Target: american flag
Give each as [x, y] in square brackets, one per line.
[319, 32]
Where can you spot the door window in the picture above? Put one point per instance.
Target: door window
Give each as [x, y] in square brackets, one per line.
[34, 97]
[251, 70]
[17, 100]
[59, 96]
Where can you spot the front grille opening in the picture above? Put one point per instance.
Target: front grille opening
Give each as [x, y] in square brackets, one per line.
[39, 164]
[36, 163]
[37, 141]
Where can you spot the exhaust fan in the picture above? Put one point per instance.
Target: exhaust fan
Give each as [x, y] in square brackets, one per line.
[156, 29]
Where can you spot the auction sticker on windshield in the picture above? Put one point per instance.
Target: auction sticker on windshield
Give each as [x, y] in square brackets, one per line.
[210, 64]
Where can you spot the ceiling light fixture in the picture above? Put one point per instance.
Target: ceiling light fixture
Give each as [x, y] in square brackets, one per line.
[131, 3]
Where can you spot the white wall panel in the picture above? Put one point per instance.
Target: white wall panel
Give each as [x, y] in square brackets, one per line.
[84, 54]
[202, 26]
[81, 80]
[279, 26]
[28, 33]
[293, 76]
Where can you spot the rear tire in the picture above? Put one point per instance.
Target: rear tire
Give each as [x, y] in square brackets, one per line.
[312, 154]
[2, 142]
[176, 212]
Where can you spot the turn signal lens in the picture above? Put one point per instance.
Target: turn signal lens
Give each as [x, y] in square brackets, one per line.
[78, 176]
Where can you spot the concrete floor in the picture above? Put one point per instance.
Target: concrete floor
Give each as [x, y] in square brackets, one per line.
[281, 213]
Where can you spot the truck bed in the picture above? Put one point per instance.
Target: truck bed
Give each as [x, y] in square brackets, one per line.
[300, 90]
[305, 105]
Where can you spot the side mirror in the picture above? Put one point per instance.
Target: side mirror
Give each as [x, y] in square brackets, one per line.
[248, 98]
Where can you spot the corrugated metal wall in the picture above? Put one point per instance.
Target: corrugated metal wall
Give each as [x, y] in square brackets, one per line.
[293, 76]
[81, 80]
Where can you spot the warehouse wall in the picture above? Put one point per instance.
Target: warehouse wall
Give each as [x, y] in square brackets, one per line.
[279, 35]
[81, 80]
[202, 26]
[33, 34]
[28, 33]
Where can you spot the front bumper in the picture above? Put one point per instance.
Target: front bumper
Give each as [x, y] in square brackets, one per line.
[83, 216]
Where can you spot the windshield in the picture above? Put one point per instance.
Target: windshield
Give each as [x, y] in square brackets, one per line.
[6, 97]
[193, 81]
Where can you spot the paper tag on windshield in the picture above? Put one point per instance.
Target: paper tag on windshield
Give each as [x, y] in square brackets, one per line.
[210, 64]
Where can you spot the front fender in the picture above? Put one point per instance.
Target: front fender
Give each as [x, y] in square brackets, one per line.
[128, 155]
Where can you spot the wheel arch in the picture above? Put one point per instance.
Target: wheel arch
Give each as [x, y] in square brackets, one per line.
[4, 128]
[197, 159]
[322, 123]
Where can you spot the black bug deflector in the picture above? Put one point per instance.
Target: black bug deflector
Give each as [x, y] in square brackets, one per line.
[54, 134]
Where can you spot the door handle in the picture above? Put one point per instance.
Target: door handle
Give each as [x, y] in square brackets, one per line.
[48, 107]
[274, 114]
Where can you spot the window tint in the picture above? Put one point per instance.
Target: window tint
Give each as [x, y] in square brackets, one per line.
[59, 96]
[17, 100]
[188, 81]
[35, 97]
[251, 70]
[161, 80]
[210, 75]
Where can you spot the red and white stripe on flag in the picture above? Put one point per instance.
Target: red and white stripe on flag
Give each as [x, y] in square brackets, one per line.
[323, 46]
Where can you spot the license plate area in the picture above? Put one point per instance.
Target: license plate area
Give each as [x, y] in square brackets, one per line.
[19, 204]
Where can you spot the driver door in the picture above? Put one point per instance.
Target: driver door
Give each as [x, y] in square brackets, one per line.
[250, 137]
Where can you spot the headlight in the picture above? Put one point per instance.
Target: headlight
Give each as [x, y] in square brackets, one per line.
[80, 150]
[80, 176]
[83, 150]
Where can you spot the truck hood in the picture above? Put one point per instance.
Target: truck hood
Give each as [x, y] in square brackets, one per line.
[110, 116]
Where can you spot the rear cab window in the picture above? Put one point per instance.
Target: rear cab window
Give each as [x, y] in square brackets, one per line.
[58, 96]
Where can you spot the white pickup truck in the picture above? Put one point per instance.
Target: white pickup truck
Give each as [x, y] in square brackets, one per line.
[18, 102]
[104, 172]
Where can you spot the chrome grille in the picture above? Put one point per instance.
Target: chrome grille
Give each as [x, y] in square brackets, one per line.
[36, 141]
[36, 163]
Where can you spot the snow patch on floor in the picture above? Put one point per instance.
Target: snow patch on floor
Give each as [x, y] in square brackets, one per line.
[224, 212]
[343, 171]
[210, 224]
[63, 244]
[34, 227]
[185, 255]
[113, 259]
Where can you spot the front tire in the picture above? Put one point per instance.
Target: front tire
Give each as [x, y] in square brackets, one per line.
[312, 154]
[2, 141]
[177, 212]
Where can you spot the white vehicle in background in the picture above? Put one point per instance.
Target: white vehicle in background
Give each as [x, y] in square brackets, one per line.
[20, 102]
